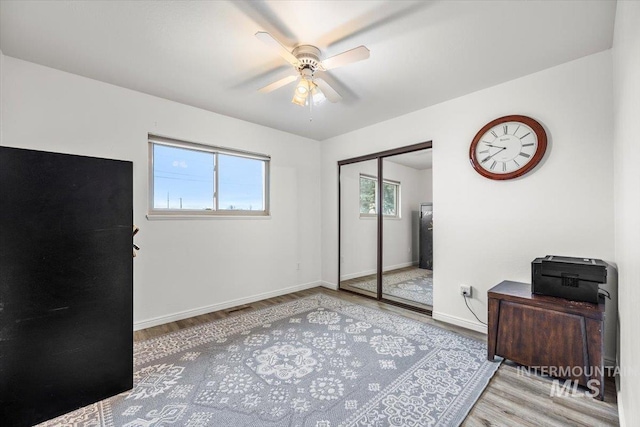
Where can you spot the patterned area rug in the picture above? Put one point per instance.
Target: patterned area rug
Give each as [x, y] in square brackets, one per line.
[318, 361]
[413, 285]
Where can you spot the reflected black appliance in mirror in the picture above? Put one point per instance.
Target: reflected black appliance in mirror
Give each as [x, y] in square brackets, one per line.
[426, 236]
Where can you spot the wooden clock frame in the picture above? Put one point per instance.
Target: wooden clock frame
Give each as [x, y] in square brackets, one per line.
[537, 128]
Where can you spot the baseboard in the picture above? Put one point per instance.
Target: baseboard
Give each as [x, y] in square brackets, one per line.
[358, 274]
[221, 306]
[329, 285]
[621, 419]
[370, 272]
[459, 321]
[610, 361]
[397, 266]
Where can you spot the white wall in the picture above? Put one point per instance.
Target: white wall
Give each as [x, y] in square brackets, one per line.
[427, 190]
[358, 252]
[626, 107]
[185, 266]
[487, 231]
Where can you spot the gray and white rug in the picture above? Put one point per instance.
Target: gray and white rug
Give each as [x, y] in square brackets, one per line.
[318, 361]
[413, 285]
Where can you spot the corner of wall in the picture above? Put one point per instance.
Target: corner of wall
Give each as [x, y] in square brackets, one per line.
[626, 108]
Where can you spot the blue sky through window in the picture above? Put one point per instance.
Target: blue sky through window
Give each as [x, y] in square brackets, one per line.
[182, 179]
[241, 183]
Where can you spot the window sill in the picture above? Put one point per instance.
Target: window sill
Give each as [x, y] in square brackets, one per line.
[392, 218]
[163, 217]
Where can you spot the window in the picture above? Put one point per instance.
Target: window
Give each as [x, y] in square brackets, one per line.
[194, 179]
[369, 197]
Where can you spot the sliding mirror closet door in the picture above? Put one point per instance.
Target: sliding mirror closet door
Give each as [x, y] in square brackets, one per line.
[359, 227]
[406, 187]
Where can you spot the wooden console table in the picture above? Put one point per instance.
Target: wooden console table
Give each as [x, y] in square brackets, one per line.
[544, 331]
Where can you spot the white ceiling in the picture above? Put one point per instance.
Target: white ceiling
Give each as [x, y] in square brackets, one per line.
[204, 53]
[419, 160]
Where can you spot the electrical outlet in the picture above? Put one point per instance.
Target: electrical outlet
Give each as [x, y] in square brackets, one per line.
[465, 290]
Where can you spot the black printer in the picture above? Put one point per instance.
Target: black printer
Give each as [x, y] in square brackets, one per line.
[572, 278]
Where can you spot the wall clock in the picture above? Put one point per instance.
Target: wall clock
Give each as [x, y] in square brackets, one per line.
[508, 147]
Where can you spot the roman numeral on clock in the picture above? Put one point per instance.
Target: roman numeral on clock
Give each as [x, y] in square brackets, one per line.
[504, 166]
[525, 154]
[494, 134]
[483, 151]
[493, 165]
[525, 135]
[528, 144]
[505, 128]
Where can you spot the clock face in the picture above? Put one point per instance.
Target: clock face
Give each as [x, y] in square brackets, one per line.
[508, 147]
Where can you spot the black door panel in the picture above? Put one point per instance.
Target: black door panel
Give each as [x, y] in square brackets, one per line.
[66, 283]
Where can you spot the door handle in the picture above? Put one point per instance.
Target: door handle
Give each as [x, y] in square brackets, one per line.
[135, 247]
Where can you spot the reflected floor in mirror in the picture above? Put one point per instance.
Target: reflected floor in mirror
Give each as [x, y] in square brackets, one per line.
[409, 285]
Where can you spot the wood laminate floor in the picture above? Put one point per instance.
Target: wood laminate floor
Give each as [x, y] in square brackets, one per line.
[509, 400]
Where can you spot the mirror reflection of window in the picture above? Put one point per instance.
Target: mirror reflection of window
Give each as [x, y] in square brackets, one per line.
[369, 196]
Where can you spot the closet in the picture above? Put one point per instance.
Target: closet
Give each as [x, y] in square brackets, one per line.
[385, 251]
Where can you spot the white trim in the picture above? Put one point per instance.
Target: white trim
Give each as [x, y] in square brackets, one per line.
[385, 269]
[157, 140]
[459, 321]
[329, 285]
[221, 306]
[201, 146]
[397, 266]
[156, 217]
[621, 419]
[358, 274]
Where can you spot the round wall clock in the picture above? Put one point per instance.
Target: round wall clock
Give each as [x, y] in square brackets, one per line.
[508, 147]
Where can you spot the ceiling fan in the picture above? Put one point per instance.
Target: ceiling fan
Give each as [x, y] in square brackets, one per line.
[310, 87]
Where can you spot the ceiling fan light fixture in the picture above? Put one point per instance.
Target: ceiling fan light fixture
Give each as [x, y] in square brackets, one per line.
[303, 87]
[305, 60]
[317, 95]
[299, 100]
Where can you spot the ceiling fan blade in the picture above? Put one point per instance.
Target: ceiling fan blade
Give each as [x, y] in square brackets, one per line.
[329, 92]
[356, 54]
[278, 84]
[274, 44]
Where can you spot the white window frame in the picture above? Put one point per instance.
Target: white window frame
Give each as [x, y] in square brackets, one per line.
[396, 184]
[164, 213]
